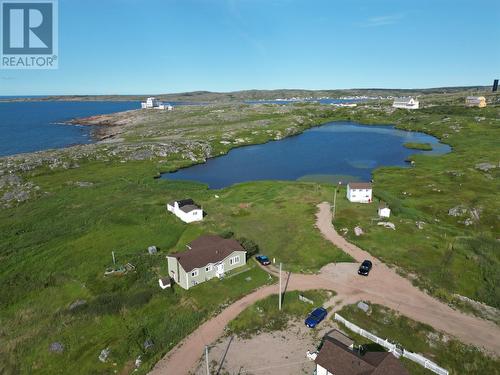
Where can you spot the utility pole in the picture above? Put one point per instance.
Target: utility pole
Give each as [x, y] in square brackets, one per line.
[280, 290]
[335, 200]
[206, 359]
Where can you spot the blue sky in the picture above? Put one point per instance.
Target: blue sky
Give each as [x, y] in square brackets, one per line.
[162, 46]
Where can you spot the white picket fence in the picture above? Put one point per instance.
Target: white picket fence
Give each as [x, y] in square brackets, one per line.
[422, 361]
[393, 348]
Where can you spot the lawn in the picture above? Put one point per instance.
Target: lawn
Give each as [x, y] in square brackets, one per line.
[265, 316]
[416, 337]
[280, 218]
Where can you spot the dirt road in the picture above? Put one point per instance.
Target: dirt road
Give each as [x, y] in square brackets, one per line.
[384, 286]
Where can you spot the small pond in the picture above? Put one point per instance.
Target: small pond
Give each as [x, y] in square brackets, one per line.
[337, 151]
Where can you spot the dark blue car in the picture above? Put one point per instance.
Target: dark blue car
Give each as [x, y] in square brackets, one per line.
[316, 317]
[262, 259]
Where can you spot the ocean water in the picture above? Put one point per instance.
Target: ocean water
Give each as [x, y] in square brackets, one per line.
[34, 126]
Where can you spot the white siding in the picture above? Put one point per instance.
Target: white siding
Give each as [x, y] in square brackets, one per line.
[322, 371]
[384, 212]
[359, 195]
[187, 217]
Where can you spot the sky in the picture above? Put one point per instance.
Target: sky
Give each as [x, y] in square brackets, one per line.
[166, 46]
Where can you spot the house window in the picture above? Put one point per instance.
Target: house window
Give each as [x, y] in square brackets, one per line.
[234, 260]
[194, 273]
[208, 268]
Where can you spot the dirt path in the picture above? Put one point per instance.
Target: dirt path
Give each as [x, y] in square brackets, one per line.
[324, 224]
[245, 356]
[384, 286]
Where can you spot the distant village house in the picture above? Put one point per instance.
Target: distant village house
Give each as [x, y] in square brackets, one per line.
[207, 257]
[405, 103]
[475, 101]
[186, 210]
[153, 103]
[338, 357]
[359, 192]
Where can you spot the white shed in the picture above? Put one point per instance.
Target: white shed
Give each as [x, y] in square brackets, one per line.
[384, 211]
[186, 210]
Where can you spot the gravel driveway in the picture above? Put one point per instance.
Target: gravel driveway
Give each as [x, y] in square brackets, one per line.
[384, 286]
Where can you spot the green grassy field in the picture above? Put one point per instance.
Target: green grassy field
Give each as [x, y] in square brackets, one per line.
[419, 338]
[56, 246]
[264, 316]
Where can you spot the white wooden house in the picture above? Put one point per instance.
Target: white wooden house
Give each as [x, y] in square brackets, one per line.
[359, 192]
[150, 103]
[405, 103]
[186, 210]
[166, 106]
[153, 103]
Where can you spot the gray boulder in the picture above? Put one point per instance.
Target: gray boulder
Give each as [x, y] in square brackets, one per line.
[76, 304]
[363, 306]
[56, 347]
[148, 344]
[358, 231]
[485, 167]
[457, 211]
[103, 357]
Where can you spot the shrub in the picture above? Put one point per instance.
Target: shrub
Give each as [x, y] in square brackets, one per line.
[250, 246]
[226, 234]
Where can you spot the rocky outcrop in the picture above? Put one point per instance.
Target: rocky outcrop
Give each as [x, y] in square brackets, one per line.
[485, 167]
[14, 190]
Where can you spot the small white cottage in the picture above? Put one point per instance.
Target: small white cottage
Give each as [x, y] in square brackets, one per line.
[359, 192]
[186, 210]
[153, 103]
[405, 103]
[384, 211]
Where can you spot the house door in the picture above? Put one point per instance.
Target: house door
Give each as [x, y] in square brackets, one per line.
[219, 269]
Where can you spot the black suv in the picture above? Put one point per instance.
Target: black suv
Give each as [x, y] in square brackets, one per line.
[365, 268]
